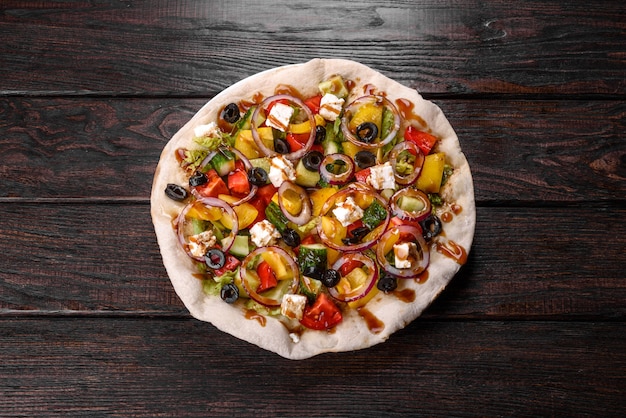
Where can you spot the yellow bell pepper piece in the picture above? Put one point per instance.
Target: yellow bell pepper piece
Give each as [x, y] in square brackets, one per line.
[429, 180]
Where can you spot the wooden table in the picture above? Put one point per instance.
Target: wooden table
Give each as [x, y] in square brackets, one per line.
[533, 325]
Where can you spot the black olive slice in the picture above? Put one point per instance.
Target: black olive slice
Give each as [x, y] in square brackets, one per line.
[330, 278]
[176, 192]
[387, 283]
[312, 160]
[257, 176]
[229, 293]
[198, 179]
[320, 134]
[231, 113]
[364, 159]
[291, 237]
[367, 132]
[431, 227]
[281, 146]
[215, 258]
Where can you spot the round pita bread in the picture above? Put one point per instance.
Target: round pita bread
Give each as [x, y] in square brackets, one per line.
[353, 332]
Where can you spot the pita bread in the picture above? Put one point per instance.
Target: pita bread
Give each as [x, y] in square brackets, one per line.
[353, 332]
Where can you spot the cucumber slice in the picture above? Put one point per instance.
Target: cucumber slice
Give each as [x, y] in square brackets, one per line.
[241, 246]
[305, 177]
[314, 256]
[223, 161]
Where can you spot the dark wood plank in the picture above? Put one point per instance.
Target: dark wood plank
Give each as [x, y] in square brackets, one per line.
[521, 151]
[125, 367]
[192, 47]
[553, 263]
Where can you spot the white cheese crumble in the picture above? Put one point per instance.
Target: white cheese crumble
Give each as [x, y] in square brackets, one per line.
[330, 106]
[294, 337]
[264, 233]
[402, 252]
[381, 177]
[279, 116]
[348, 211]
[210, 130]
[200, 243]
[292, 306]
[281, 169]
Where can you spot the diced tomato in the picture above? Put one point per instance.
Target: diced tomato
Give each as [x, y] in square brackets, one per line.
[317, 147]
[260, 206]
[323, 314]
[239, 165]
[423, 140]
[313, 103]
[353, 226]
[348, 266]
[214, 187]
[296, 141]
[230, 265]
[238, 182]
[267, 276]
[265, 193]
[362, 175]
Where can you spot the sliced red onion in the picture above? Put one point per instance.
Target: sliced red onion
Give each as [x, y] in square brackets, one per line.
[210, 202]
[255, 133]
[305, 214]
[417, 165]
[418, 266]
[411, 193]
[364, 289]
[372, 236]
[243, 274]
[333, 178]
[347, 115]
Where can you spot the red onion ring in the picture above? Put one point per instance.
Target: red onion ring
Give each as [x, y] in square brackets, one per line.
[333, 178]
[410, 215]
[345, 120]
[374, 235]
[305, 214]
[362, 290]
[210, 202]
[419, 161]
[417, 267]
[243, 274]
[246, 164]
[255, 133]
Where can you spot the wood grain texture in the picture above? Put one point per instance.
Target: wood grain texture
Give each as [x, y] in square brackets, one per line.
[518, 150]
[103, 259]
[125, 367]
[197, 47]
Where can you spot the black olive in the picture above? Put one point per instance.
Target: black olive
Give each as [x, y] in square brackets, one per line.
[281, 146]
[215, 258]
[229, 293]
[387, 283]
[320, 134]
[364, 159]
[313, 272]
[176, 192]
[431, 227]
[291, 237]
[312, 160]
[198, 179]
[367, 132]
[330, 278]
[258, 176]
[360, 232]
[231, 113]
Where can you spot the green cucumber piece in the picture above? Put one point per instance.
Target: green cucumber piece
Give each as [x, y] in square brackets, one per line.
[306, 177]
[410, 204]
[313, 256]
[374, 215]
[223, 161]
[240, 247]
[310, 287]
[276, 216]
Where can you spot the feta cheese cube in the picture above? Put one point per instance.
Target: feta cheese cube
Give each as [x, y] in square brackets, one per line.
[281, 169]
[279, 116]
[264, 233]
[402, 253]
[348, 211]
[330, 106]
[294, 337]
[210, 130]
[292, 306]
[200, 243]
[382, 177]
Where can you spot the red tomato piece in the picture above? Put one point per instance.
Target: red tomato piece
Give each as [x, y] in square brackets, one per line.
[267, 276]
[348, 266]
[214, 187]
[265, 193]
[395, 221]
[238, 182]
[362, 175]
[423, 140]
[323, 314]
[353, 226]
[230, 265]
[260, 206]
[296, 141]
[313, 103]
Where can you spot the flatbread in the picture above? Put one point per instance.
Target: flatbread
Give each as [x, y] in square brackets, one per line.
[353, 332]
